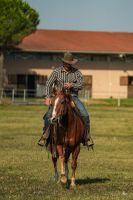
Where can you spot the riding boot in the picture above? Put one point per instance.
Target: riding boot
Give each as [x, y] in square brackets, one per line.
[88, 141]
[43, 141]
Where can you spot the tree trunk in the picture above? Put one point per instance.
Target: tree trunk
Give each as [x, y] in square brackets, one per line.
[1, 69]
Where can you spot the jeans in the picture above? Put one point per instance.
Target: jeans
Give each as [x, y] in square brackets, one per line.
[83, 112]
[81, 108]
[47, 116]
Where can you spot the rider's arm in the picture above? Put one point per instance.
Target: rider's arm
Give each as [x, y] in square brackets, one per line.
[79, 83]
[49, 83]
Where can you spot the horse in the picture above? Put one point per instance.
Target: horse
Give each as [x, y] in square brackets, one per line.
[67, 131]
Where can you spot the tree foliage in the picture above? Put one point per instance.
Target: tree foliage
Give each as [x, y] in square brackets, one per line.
[17, 19]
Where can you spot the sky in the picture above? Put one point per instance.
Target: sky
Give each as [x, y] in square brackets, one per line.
[90, 15]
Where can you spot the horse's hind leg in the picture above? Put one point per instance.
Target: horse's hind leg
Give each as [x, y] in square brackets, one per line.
[56, 175]
[75, 154]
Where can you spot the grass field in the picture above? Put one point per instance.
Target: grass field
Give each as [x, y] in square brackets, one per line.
[26, 172]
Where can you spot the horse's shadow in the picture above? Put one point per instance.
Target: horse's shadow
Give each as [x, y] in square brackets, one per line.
[88, 180]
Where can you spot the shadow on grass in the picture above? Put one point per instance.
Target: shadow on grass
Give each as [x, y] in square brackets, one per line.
[91, 180]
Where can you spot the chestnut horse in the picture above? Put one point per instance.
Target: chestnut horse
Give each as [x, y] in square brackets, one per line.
[66, 133]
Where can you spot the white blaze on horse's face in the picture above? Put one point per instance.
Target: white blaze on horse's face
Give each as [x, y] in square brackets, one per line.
[54, 109]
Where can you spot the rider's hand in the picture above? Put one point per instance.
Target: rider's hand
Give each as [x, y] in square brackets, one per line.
[68, 85]
[47, 101]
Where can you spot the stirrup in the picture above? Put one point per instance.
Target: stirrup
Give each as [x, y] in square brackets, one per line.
[89, 146]
[42, 141]
[89, 143]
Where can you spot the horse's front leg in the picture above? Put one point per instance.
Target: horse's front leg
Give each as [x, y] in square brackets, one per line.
[56, 175]
[61, 158]
[75, 154]
[68, 151]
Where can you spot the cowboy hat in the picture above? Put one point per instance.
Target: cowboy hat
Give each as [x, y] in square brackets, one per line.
[68, 58]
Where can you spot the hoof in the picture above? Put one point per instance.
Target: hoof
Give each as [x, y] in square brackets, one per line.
[63, 179]
[72, 185]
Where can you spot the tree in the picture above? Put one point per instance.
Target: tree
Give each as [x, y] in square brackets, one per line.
[17, 20]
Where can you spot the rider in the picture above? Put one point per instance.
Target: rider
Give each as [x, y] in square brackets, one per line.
[71, 79]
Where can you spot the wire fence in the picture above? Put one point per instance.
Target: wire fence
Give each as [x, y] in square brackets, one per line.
[24, 96]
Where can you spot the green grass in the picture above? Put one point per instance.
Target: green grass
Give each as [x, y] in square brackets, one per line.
[95, 102]
[26, 172]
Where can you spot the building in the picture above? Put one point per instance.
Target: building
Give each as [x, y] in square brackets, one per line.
[105, 59]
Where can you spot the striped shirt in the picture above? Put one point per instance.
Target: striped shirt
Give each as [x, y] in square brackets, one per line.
[59, 76]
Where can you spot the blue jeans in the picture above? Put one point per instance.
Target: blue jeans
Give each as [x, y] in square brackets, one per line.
[81, 108]
[83, 112]
[47, 116]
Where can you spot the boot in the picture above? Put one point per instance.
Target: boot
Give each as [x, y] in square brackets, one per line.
[42, 141]
[87, 140]
[44, 138]
[90, 143]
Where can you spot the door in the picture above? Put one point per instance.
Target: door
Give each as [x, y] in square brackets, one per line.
[130, 86]
[31, 85]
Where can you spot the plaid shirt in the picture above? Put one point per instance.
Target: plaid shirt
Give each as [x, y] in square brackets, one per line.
[59, 76]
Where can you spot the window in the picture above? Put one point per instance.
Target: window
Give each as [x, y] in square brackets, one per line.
[12, 79]
[41, 80]
[129, 58]
[126, 80]
[130, 80]
[92, 57]
[83, 57]
[117, 58]
[87, 80]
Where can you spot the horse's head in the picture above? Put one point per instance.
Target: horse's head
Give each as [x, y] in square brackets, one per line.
[60, 105]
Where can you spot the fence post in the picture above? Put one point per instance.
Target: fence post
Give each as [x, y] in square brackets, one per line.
[86, 96]
[119, 102]
[13, 95]
[2, 93]
[24, 95]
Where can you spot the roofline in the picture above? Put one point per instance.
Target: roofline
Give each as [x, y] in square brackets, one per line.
[91, 31]
[64, 50]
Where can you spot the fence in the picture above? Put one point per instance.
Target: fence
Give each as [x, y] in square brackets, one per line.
[24, 96]
[20, 95]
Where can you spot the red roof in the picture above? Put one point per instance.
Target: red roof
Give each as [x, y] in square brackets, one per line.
[78, 41]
